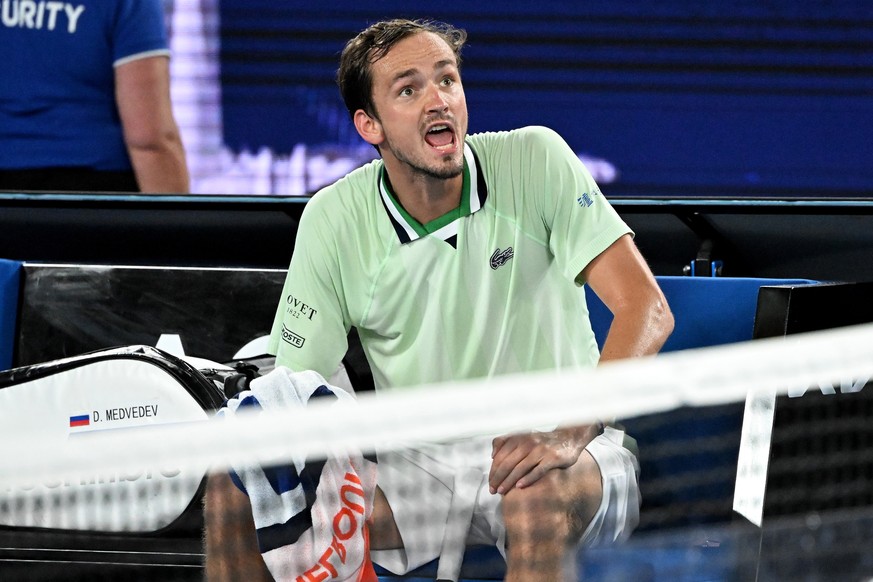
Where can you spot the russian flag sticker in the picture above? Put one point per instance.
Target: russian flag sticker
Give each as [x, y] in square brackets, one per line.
[80, 420]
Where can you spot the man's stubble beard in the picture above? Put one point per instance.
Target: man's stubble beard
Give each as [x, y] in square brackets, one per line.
[440, 173]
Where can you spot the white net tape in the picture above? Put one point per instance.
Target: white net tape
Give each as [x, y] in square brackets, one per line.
[504, 404]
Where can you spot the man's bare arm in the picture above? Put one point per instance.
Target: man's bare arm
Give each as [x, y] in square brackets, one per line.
[642, 322]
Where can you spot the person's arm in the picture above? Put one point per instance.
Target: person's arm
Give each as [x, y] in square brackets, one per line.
[142, 93]
[642, 322]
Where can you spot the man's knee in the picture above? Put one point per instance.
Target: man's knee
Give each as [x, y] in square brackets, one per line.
[561, 504]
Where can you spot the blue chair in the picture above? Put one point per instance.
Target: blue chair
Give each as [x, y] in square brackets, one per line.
[709, 311]
[10, 277]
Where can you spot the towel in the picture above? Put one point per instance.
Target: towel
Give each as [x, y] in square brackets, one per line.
[310, 515]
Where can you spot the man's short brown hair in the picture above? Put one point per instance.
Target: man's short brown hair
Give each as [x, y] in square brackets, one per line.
[354, 75]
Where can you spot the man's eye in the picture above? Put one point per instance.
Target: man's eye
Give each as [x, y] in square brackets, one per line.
[448, 82]
[406, 92]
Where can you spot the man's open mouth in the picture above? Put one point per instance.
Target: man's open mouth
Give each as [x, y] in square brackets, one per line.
[440, 136]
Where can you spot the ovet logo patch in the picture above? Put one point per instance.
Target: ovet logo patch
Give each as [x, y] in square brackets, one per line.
[299, 309]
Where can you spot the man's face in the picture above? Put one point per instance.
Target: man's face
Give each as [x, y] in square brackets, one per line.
[420, 106]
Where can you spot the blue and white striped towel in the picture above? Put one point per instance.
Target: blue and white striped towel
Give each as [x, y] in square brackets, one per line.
[309, 515]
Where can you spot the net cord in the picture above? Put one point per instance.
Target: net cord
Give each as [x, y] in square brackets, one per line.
[500, 405]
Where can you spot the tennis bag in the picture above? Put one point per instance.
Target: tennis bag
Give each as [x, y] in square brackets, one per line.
[107, 390]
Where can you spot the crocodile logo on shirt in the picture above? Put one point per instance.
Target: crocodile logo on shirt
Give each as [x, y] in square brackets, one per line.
[500, 258]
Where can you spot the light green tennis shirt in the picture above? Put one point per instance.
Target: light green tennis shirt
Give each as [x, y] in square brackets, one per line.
[490, 288]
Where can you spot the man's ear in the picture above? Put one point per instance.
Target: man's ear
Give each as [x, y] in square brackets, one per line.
[368, 128]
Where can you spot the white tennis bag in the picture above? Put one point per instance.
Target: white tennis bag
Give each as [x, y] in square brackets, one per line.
[104, 391]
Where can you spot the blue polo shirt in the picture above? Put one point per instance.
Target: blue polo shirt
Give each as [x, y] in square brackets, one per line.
[57, 95]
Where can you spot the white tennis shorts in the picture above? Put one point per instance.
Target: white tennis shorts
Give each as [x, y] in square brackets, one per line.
[440, 499]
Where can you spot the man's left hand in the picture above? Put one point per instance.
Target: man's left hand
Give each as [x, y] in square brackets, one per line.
[521, 460]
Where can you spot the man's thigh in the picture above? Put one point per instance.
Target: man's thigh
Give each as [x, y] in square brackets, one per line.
[619, 510]
[420, 487]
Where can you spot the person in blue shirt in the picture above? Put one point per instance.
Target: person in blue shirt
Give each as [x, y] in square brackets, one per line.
[85, 98]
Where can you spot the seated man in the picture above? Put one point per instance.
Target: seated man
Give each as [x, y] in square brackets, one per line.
[459, 257]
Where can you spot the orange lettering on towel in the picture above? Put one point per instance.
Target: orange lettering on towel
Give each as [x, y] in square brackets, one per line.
[324, 569]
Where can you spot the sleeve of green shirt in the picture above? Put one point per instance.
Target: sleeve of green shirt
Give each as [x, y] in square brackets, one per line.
[582, 223]
[309, 330]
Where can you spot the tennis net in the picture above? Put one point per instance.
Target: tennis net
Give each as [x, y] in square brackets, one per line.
[724, 448]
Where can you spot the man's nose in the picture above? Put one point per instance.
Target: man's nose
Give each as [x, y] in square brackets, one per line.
[436, 99]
